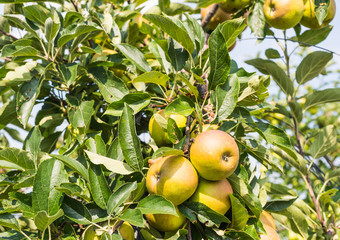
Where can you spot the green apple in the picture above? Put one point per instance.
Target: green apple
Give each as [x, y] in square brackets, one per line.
[214, 154]
[283, 14]
[219, 17]
[90, 233]
[158, 131]
[172, 177]
[126, 231]
[232, 6]
[309, 18]
[166, 222]
[214, 194]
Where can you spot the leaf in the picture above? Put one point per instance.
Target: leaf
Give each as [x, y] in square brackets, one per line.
[135, 56]
[36, 13]
[296, 110]
[314, 37]
[99, 188]
[231, 29]
[177, 55]
[166, 151]
[112, 88]
[133, 216]
[76, 211]
[120, 196]
[312, 65]
[239, 213]
[73, 189]
[321, 97]
[73, 31]
[96, 145]
[332, 174]
[155, 204]
[19, 74]
[272, 53]
[136, 101]
[198, 211]
[206, 3]
[226, 97]
[32, 142]
[297, 162]
[80, 116]
[283, 203]
[46, 197]
[152, 77]
[174, 31]
[15, 158]
[73, 164]
[271, 68]
[25, 99]
[128, 139]
[218, 58]
[256, 20]
[325, 141]
[68, 72]
[181, 105]
[7, 113]
[52, 27]
[9, 220]
[20, 21]
[174, 133]
[42, 220]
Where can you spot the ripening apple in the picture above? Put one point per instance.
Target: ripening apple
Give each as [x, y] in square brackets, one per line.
[267, 219]
[219, 17]
[271, 233]
[214, 194]
[172, 177]
[159, 133]
[166, 222]
[214, 154]
[283, 14]
[126, 231]
[232, 6]
[309, 18]
[90, 233]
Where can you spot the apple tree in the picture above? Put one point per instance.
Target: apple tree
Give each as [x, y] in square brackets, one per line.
[95, 94]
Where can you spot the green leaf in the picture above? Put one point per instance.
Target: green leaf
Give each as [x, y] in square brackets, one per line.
[128, 139]
[181, 105]
[52, 27]
[73, 189]
[120, 196]
[42, 220]
[206, 3]
[136, 101]
[11, 50]
[115, 151]
[152, 77]
[332, 174]
[312, 65]
[46, 197]
[111, 87]
[296, 161]
[99, 188]
[226, 97]
[174, 31]
[218, 58]
[256, 20]
[25, 99]
[72, 32]
[272, 53]
[7, 113]
[36, 13]
[325, 141]
[155, 204]
[321, 97]
[174, 133]
[73, 164]
[198, 211]
[231, 29]
[177, 55]
[133, 216]
[9, 220]
[15, 158]
[314, 37]
[76, 211]
[182, 79]
[32, 142]
[21, 22]
[239, 213]
[68, 72]
[80, 116]
[283, 203]
[135, 56]
[96, 144]
[296, 110]
[271, 68]
[166, 151]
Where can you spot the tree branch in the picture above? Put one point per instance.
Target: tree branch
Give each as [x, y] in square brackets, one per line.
[75, 6]
[8, 34]
[207, 18]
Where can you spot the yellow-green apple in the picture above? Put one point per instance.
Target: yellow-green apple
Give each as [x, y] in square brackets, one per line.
[126, 231]
[267, 219]
[232, 6]
[309, 18]
[159, 132]
[90, 234]
[283, 14]
[271, 233]
[166, 222]
[214, 194]
[172, 177]
[219, 17]
[214, 154]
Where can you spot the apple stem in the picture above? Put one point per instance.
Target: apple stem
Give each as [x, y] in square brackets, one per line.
[208, 17]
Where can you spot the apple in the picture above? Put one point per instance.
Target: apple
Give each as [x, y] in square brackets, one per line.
[90, 233]
[267, 219]
[219, 17]
[214, 154]
[232, 6]
[283, 14]
[166, 222]
[309, 18]
[126, 231]
[214, 194]
[172, 177]
[271, 233]
[159, 133]
[205, 127]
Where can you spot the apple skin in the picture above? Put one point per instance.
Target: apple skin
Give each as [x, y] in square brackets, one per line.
[283, 14]
[309, 18]
[271, 233]
[219, 17]
[159, 134]
[166, 222]
[172, 177]
[214, 194]
[90, 234]
[214, 154]
[267, 219]
[205, 128]
[126, 231]
[232, 6]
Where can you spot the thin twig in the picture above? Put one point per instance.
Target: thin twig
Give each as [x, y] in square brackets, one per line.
[74, 5]
[8, 34]
[189, 231]
[208, 17]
